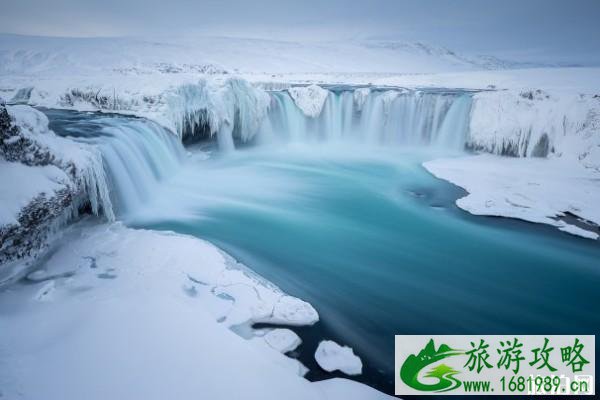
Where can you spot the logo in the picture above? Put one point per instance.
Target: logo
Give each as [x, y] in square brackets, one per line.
[495, 365]
[409, 373]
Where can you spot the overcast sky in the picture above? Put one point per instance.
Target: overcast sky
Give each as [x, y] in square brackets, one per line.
[542, 30]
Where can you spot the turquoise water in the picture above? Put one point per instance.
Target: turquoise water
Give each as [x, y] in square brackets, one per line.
[377, 245]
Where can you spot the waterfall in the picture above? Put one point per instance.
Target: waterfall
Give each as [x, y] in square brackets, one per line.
[234, 111]
[386, 117]
[137, 154]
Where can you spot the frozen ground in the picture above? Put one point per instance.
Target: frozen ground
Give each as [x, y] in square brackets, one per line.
[531, 189]
[67, 331]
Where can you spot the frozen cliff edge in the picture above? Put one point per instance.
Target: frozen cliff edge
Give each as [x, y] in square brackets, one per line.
[225, 107]
[544, 165]
[46, 181]
[535, 123]
[153, 312]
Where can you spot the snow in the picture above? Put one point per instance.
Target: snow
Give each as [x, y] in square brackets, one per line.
[349, 390]
[129, 313]
[531, 189]
[231, 104]
[537, 123]
[21, 184]
[175, 55]
[331, 356]
[309, 99]
[577, 231]
[282, 340]
[89, 171]
[360, 96]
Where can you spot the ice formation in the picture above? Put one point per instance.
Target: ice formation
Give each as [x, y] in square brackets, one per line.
[534, 123]
[83, 162]
[282, 340]
[137, 155]
[228, 110]
[309, 99]
[47, 180]
[331, 356]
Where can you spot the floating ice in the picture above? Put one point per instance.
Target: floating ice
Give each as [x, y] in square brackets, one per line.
[282, 340]
[331, 356]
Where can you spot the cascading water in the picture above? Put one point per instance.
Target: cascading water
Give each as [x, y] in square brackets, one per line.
[388, 117]
[137, 154]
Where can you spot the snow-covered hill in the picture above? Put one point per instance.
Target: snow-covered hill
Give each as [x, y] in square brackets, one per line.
[51, 55]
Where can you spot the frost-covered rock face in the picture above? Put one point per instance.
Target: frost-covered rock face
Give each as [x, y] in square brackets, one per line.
[47, 181]
[309, 99]
[534, 123]
[233, 109]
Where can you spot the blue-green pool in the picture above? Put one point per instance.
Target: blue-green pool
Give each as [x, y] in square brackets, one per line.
[377, 245]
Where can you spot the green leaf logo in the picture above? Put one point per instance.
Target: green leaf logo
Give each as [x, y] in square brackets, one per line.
[409, 372]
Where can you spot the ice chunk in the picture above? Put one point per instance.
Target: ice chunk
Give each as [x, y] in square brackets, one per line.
[577, 231]
[293, 311]
[331, 356]
[282, 340]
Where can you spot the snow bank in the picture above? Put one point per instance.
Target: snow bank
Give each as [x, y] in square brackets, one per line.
[228, 107]
[331, 356]
[139, 314]
[534, 123]
[309, 99]
[46, 181]
[535, 190]
[22, 184]
[83, 163]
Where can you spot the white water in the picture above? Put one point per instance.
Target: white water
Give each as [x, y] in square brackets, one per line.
[139, 155]
[390, 117]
